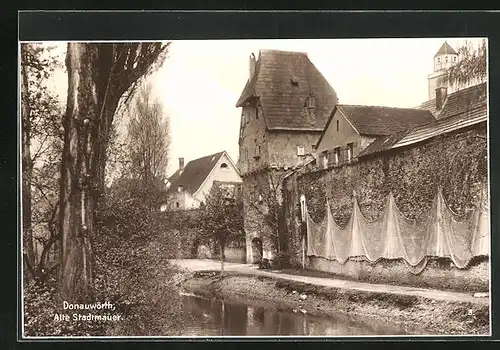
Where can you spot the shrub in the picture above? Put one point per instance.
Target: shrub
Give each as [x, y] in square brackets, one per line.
[281, 260]
[41, 305]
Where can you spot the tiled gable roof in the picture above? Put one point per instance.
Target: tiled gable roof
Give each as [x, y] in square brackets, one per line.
[194, 173]
[383, 143]
[462, 109]
[283, 81]
[459, 102]
[381, 121]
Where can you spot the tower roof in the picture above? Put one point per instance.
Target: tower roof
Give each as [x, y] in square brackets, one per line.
[282, 81]
[446, 49]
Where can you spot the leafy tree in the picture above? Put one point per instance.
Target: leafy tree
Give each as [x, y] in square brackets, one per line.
[148, 140]
[100, 75]
[41, 149]
[265, 205]
[222, 218]
[471, 67]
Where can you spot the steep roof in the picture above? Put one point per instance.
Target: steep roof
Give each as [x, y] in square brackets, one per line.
[380, 121]
[446, 49]
[458, 102]
[282, 81]
[194, 173]
[464, 108]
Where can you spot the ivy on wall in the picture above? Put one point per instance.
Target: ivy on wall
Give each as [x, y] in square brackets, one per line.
[456, 162]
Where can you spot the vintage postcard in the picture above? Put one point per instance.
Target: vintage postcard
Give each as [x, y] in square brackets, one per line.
[255, 188]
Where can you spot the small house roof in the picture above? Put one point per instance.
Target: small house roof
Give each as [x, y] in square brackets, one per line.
[379, 121]
[194, 174]
[462, 109]
[459, 102]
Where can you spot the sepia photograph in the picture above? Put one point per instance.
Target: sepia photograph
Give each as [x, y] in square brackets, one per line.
[254, 188]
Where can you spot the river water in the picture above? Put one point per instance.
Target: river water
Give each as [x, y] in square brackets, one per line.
[213, 317]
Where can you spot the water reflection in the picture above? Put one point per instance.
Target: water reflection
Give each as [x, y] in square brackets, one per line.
[216, 317]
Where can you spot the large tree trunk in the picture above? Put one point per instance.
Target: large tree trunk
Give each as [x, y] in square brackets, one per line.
[26, 164]
[76, 203]
[97, 79]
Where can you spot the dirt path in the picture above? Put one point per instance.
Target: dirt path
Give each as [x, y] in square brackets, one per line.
[205, 264]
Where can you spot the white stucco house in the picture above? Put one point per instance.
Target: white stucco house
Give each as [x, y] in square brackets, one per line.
[189, 185]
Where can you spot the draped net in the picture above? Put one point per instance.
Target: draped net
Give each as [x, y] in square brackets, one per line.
[393, 236]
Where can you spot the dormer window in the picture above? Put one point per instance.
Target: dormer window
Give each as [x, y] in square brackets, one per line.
[294, 82]
[311, 102]
[301, 151]
[257, 152]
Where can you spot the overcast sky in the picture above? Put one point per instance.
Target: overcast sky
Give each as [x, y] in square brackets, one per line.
[201, 81]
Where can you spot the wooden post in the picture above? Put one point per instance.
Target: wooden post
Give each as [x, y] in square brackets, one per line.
[303, 229]
[303, 250]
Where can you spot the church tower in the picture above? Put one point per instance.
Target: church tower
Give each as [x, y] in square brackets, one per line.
[445, 58]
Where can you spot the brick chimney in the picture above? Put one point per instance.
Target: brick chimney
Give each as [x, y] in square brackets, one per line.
[252, 65]
[181, 164]
[441, 93]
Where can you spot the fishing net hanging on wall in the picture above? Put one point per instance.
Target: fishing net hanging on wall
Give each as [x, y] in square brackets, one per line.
[392, 236]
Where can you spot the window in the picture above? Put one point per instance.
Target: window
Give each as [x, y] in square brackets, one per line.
[257, 113]
[324, 160]
[455, 59]
[300, 151]
[303, 207]
[294, 82]
[257, 151]
[446, 59]
[439, 59]
[337, 126]
[311, 102]
[350, 150]
[180, 188]
[177, 204]
[223, 165]
[336, 153]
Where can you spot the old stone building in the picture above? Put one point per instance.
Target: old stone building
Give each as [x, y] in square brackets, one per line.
[285, 105]
[446, 157]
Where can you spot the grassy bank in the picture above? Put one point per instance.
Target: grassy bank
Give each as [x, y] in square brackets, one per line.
[415, 315]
